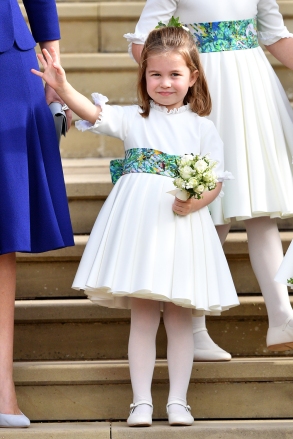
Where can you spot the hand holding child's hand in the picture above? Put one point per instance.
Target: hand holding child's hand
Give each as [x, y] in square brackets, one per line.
[53, 74]
[184, 207]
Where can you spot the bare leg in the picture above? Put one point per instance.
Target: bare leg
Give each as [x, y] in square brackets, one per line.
[8, 402]
[204, 347]
[145, 319]
[266, 255]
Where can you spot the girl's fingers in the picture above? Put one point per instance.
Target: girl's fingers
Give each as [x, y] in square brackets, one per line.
[36, 72]
[54, 55]
[47, 56]
[42, 60]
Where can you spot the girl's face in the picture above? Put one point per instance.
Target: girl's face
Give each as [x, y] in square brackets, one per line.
[168, 79]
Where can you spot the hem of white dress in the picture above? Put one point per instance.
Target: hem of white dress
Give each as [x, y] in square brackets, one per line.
[215, 310]
[272, 215]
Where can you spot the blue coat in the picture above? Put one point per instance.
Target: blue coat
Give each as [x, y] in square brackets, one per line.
[43, 19]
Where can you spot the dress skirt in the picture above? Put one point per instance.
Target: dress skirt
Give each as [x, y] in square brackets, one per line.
[255, 121]
[34, 215]
[139, 248]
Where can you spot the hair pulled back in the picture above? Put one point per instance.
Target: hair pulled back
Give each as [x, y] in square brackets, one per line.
[175, 39]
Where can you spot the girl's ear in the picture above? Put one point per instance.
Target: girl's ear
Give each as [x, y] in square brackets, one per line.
[193, 78]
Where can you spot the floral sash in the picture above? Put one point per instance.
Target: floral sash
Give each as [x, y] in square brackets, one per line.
[221, 36]
[144, 160]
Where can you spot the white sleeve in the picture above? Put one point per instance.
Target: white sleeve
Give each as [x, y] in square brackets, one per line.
[113, 121]
[270, 23]
[211, 144]
[153, 12]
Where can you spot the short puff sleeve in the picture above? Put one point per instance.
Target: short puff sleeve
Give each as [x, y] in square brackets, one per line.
[153, 12]
[270, 23]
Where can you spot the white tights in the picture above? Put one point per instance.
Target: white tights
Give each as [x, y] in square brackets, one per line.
[266, 255]
[145, 319]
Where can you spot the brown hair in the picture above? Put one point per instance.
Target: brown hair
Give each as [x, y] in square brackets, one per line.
[175, 39]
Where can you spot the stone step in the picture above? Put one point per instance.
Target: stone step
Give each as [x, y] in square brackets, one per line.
[68, 430]
[50, 274]
[88, 184]
[89, 27]
[80, 330]
[99, 390]
[160, 430]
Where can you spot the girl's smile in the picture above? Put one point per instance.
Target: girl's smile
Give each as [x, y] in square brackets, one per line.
[168, 79]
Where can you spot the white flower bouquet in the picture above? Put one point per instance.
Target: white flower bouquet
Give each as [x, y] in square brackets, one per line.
[196, 175]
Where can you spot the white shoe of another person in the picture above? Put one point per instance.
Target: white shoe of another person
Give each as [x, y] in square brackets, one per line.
[205, 349]
[14, 421]
[280, 338]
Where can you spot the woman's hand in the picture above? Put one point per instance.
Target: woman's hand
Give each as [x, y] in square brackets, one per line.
[54, 74]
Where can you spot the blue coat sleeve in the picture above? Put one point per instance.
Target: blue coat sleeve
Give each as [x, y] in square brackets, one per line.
[43, 19]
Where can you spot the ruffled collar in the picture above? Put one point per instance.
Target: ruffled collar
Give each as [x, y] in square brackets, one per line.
[165, 110]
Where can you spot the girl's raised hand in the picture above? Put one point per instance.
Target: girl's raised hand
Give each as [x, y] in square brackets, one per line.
[53, 74]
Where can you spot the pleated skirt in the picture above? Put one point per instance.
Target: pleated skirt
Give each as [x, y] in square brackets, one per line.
[34, 215]
[255, 121]
[139, 248]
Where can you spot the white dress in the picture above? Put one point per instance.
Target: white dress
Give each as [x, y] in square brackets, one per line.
[250, 109]
[138, 247]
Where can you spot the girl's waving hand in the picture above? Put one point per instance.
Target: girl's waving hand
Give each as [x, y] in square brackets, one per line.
[54, 75]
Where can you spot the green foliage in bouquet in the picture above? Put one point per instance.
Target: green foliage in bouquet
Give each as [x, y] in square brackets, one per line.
[290, 281]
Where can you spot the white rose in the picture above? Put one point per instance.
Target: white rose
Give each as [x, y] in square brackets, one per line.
[179, 182]
[209, 176]
[186, 172]
[192, 183]
[186, 159]
[200, 189]
[200, 166]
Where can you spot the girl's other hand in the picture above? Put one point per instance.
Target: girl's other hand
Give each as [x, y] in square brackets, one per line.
[53, 74]
[184, 208]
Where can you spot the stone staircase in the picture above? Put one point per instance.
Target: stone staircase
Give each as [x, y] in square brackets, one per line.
[71, 368]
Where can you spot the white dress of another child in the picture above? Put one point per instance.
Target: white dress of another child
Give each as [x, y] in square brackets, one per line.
[138, 247]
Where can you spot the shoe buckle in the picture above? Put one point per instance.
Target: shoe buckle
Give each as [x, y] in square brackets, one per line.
[132, 408]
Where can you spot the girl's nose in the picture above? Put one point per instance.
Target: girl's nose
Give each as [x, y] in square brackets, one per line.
[165, 82]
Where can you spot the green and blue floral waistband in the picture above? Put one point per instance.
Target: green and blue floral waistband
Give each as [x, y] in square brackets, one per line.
[144, 160]
[222, 36]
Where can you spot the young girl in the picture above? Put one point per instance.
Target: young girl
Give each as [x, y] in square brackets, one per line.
[149, 251]
[254, 119]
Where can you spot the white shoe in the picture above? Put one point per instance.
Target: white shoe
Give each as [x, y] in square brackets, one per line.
[180, 418]
[280, 338]
[139, 419]
[14, 421]
[214, 353]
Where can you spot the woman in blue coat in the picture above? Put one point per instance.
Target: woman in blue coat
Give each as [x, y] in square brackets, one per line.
[34, 214]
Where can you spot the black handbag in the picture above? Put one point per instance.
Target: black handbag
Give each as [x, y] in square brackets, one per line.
[59, 116]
